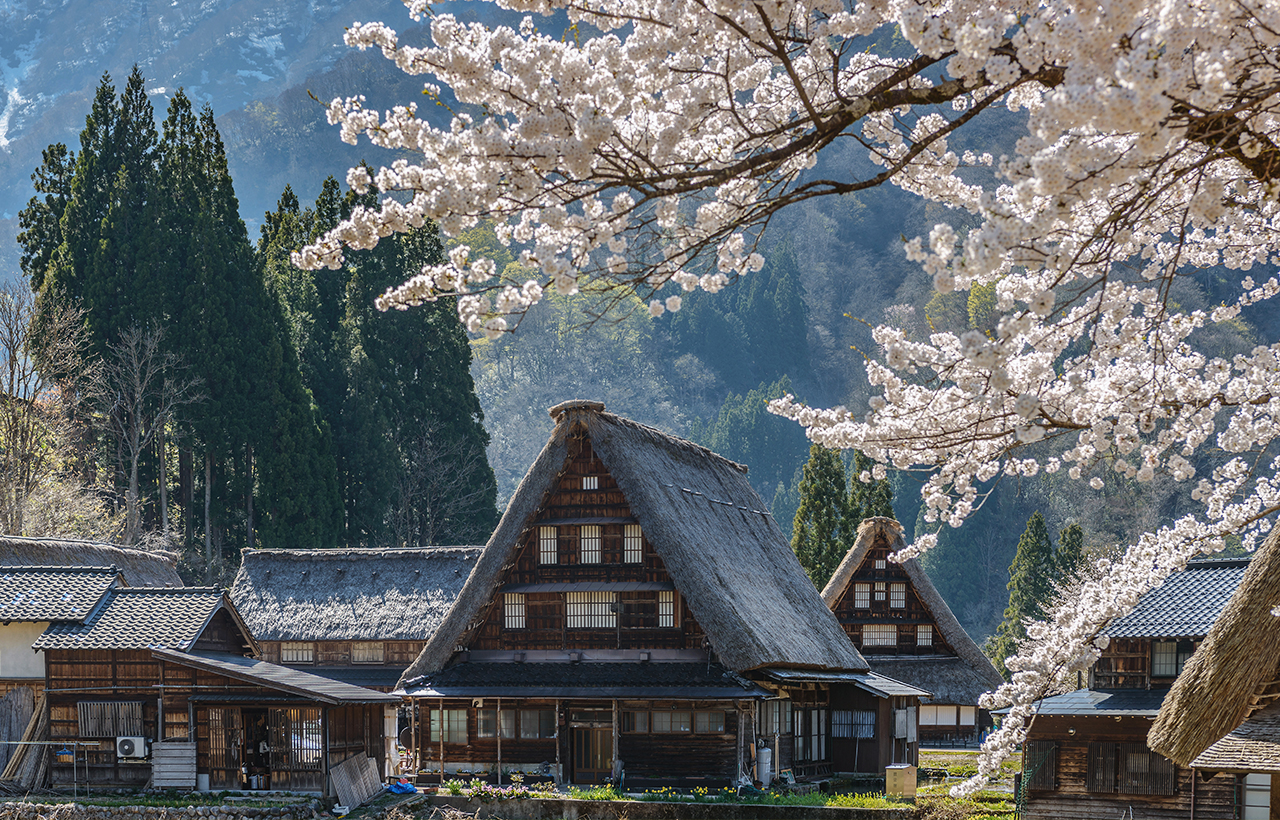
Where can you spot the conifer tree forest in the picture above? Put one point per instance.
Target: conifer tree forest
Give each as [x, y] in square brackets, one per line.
[280, 412]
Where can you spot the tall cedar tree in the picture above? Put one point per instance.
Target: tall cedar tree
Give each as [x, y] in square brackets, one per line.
[745, 431]
[382, 380]
[867, 500]
[1068, 558]
[1031, 585]
[820, 535]
[41, 221]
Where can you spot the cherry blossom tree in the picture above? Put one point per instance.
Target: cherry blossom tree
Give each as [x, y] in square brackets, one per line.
[647, 151]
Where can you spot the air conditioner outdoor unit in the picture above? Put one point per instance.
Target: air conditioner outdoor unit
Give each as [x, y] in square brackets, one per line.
[131, 747]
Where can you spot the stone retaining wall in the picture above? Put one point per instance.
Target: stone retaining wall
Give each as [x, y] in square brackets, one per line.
[78, 811]
[566, 809]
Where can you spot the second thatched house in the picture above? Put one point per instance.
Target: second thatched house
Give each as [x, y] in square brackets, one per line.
[356, 615]
[895, 617]
[1222, 716]
[637, 613]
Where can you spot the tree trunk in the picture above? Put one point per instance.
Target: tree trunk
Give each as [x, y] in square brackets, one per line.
[162, 476]
[208, 527]
[186, 495]
[249, 492]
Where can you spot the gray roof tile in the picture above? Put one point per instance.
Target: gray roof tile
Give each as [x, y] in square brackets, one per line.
[52, 593]
[1103, 703]
[138, 618]
[1186, 605]
[274, 676]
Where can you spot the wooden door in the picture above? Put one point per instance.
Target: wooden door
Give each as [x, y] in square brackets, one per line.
[296, 748]
[226, 747]
[592, 754]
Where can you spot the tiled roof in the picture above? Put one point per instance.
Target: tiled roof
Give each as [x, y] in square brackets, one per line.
[52, 593]
[1254, 746]
[274, 676]
[877, 684]
[379, 677]
[1103, 703]
[1186, 605]
[138, 618]
[605, 680]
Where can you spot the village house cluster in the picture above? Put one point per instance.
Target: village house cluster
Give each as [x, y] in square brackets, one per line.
[637, 617]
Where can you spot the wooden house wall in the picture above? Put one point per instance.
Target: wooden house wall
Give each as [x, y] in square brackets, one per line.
[545, 612]
[1071, 800]
[914, 614]
[1126, 663]
[648, 756]
[222, 634]
[867, 754]
[397, 654]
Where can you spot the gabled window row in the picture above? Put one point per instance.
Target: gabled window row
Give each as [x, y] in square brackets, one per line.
[862, 594]
[305, 652]
[587, 610]
[590, 539]
[887, 635]
[676, 721]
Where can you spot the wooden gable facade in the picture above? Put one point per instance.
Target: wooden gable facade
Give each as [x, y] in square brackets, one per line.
[579, 649]
[895, 617]
[117, 685]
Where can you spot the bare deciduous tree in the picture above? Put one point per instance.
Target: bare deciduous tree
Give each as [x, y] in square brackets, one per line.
[437, 489]
[136, 392]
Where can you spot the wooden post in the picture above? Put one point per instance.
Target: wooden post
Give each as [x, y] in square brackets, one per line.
[498, 713]
[614, 752]
[559, 770]
[324, 754]
[441, 738]
[413, 738]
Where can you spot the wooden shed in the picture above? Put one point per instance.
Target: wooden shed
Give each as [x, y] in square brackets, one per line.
[638, 615]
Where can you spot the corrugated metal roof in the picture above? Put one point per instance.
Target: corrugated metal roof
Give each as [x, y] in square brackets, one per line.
[1185, 605]
[869, 681]
[52, 593]
[274, 676]
[138, 618]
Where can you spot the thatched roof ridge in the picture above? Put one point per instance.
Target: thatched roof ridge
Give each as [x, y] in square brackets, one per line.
[1223, 683]
[349, 594]
[982, 671]
[140, 568]
[721, 547]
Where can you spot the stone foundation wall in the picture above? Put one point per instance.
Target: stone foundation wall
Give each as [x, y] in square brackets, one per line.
[556, 809]
[77, 811]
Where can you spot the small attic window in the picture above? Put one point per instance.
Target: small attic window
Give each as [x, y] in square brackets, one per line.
[297, 652]
[880, 591]
[548, 552]
[590, 482]
[632, 544]
[924, 635]
[897, 596]
[861, 596]
[367, 652]
[589, 544]
[880, 563]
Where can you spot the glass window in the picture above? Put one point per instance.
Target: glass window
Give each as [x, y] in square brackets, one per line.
[513, 610]
[968, 715]
[297, 652]
[487, 723]
[897, 596]
[632, 544]
[666, 608]
[1164, 659]
[548, 546]
[367, 652]
[879, 635]
[455, 726]
[635, 722]
[591, 610]
[590, 482]
[924, 635]
[589, 544]
[842, 723]
[864, 723]
[666, 722]
[861, 596]
[708, 722]
[537, 723]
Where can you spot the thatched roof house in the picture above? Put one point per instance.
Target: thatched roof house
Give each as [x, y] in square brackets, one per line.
[951, 667]
[140, 568]
[724, 553]
[1235, 672]
[349, 594]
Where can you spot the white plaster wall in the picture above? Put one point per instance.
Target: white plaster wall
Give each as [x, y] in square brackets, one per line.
[17, 659]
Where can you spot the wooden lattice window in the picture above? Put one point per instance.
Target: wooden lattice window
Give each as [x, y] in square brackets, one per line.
[632, 544]
[1040, 764]
[897, 596]
[589, 544]
[368, 652]
[879, 635]
[1100, 767]
[297, 652]
[880, 563]
[864, 723]
[109, 718]
[861, 596]
[924, 635]
[666, 608]
[513, 610]
[590, 482]
[1142, 771]
[548, 546]
[879, 591]
[591, 610]
[841, 723]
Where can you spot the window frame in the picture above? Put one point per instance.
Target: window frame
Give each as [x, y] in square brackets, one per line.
[548, 546]
[364, 652]
[304, 652]
[491, 721]
[882, 630]
[597, 610]
[543, 724]
[897, 596]
[590, 544]
[632, 544]
[862, 595]
[455, 726]
[924, 634]
[667, 609]
[514, 611]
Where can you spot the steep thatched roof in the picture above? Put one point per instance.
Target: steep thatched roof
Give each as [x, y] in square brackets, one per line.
[1253, 746]
[349, 594]
[722, 549]
[948, 683]
[1233, 673]
[139, 568]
